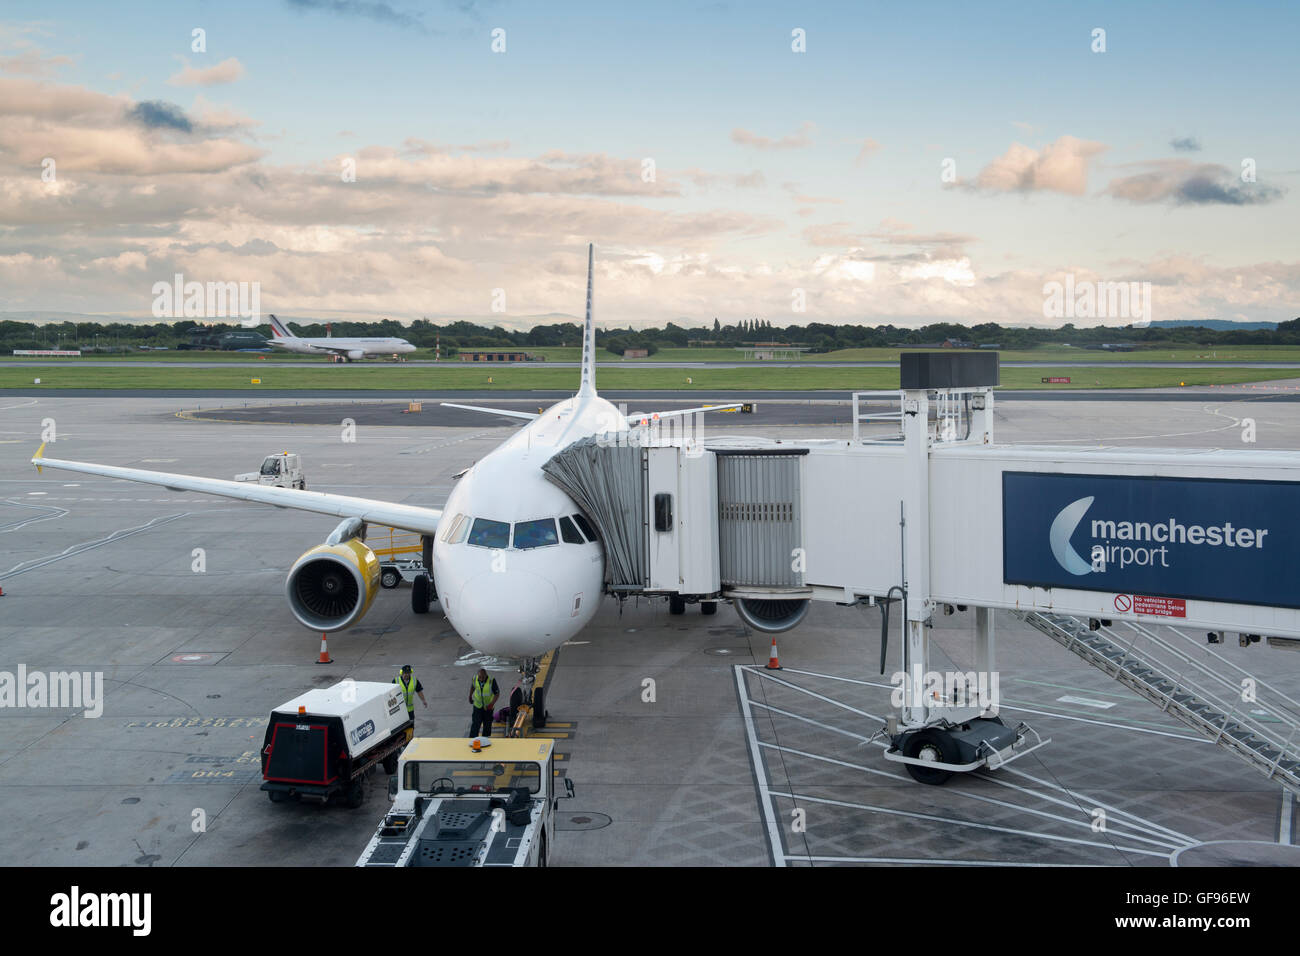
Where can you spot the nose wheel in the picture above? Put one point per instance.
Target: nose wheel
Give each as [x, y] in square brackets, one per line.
[533, 695]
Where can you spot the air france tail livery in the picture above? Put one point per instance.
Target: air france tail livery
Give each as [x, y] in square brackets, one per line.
[347, 349]
[517, 566]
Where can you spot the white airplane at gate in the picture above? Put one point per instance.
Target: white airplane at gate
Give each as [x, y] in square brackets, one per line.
[516, 565]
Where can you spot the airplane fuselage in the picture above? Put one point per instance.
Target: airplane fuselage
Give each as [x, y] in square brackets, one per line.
[509, 581]
[345, 346]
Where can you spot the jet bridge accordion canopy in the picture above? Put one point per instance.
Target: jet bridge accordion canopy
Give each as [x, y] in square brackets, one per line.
[691, 521]
[607, 480]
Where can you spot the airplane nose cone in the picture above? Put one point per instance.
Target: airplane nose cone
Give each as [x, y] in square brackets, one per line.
[507, 613]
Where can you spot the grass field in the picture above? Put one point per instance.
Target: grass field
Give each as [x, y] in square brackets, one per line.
[1190, 356]
[506, 378]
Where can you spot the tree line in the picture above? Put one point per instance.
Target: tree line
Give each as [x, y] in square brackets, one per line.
[814, 336]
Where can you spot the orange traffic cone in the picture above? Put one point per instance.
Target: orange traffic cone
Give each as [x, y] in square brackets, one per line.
[324, 651]
[772, 663]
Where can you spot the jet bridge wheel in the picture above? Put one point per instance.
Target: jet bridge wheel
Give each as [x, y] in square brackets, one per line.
[930, 744]
[708, 607]
[676, 604]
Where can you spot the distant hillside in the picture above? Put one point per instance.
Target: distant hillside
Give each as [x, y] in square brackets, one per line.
[1221, 324]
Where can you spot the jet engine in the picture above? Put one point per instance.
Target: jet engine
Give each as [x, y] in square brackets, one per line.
[356, 355]
[771, 617]
[331, 586]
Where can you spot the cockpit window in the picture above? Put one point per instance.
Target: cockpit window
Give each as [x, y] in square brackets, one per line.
[456, 529]
[535, 534]
[586, 527]
[569, 533]
[487, 533]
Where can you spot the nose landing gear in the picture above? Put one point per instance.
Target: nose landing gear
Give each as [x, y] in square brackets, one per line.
[534, 696]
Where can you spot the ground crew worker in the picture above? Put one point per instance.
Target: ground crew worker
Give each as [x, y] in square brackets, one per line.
[483, 694]
[410, 686]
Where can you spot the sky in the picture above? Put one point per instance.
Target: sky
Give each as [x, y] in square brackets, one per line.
[840, 163]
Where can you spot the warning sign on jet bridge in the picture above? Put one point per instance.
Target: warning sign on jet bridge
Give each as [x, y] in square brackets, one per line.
[1159, 606]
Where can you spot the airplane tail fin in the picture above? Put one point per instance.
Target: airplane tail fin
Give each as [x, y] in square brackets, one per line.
[588, 386]
[279, 330]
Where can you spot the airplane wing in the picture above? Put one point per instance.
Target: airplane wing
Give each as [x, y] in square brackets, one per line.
[507, 412]
[645, 418]
[403, 517]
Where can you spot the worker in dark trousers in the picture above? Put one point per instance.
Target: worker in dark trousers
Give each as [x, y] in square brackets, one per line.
[483, 694]
[410, 686]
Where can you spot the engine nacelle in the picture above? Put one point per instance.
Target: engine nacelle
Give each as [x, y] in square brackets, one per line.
[771, 617]
[356, 355]
[331, 586]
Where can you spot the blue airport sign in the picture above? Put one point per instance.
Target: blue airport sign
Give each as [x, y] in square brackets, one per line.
[1207, 539]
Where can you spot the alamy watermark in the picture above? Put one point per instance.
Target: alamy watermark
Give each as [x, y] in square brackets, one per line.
[1130, 301]
[179, 299]
[936, 690]
[57, 690]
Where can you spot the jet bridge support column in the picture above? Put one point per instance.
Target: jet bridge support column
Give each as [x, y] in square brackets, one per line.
[916, 552]
[985, 650]
[944, 731]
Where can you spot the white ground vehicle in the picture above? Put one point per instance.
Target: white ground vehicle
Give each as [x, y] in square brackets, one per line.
[281, 471]
[455, 807]
[323, 742]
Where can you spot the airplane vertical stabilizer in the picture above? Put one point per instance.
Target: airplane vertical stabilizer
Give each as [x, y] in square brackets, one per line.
[588, 386]
[279, 330]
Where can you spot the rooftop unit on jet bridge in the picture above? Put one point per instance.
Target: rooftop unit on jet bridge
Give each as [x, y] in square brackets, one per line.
[920, 510]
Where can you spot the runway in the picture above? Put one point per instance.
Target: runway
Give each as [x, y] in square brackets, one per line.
[100, 576]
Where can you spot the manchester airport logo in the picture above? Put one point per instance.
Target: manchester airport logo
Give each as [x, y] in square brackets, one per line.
[1141, 544]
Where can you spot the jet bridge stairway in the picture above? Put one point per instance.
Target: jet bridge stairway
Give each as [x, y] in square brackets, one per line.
[1162, 670]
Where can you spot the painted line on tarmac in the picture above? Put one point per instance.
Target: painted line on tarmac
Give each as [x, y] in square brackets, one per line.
[760, 773]
[76, 549]
[957, 821]
[50, 512]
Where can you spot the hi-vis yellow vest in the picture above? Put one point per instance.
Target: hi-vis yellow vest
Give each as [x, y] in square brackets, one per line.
[408, 691]
[482, 693]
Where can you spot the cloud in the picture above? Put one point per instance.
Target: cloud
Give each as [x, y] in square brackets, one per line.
[891, 234]
[88, 132]
[32, 62]
[869, 146]
[1061, 166]
[796, 140]
[707, 180]
[366, 9]
[157, 114]
[227, 71]
[1180, 182]
[1185, 144]
[431, 229]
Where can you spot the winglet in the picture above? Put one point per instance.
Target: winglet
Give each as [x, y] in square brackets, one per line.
[39, 456]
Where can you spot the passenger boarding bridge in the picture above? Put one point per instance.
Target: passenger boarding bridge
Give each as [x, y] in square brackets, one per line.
[1094, 548]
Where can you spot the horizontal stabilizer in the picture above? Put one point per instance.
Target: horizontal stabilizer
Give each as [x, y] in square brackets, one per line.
[648, 418]
[507, 412]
